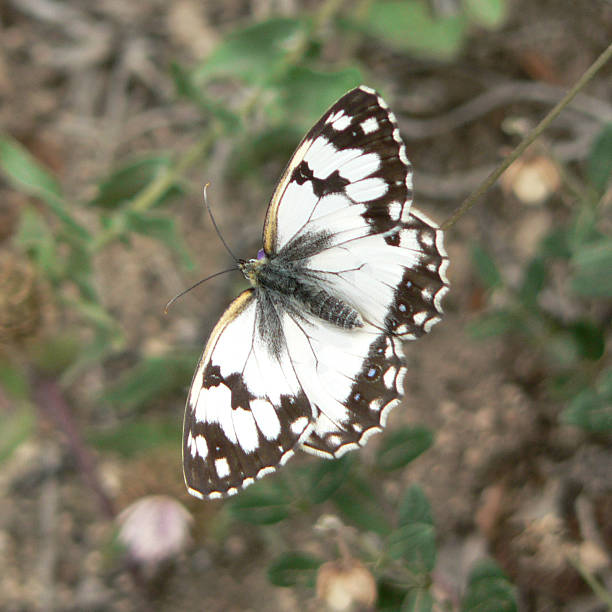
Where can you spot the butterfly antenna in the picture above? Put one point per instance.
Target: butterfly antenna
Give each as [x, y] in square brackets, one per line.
[182, 293]
[215, 224]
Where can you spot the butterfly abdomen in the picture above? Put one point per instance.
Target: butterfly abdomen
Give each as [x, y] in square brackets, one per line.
[332, 309]
[287, 284]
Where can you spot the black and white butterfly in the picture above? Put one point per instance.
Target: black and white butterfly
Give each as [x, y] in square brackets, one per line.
[311, 355]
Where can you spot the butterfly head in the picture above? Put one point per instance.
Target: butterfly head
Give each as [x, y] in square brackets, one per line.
[251, 268]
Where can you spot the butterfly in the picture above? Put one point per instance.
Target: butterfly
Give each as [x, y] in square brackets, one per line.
[310, 356]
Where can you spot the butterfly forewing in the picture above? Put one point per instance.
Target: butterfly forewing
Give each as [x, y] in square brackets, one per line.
[316, 361]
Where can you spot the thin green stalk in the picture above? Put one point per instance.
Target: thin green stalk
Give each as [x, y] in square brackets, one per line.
[520, 149]
[593, 583]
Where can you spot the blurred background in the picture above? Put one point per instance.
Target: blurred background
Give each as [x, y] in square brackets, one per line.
[490, 488]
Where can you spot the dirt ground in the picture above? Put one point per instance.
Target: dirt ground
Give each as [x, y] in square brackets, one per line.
[83, 86]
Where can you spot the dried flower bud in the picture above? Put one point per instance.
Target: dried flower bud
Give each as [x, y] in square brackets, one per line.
[154, 529]
[346, 586]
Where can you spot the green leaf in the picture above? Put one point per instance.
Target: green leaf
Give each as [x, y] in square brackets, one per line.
[254, 53]
[599, 168]
[260, 505]
[327, 477]
[591, 409]
[294, 569]
[185, 84]
[128, 181]
[414, 540]
[415, 507]
[592, 264]
[390, 596]
[306, 93]
[533, 281]
[17, 426]
[151, 379]
[56, 353]
[398, 448]
[488, 590]
[160, 228]
[408, 25]
[36, 238]
[486, 268]
[25, 171]
[138, 436]
[496, 323]
[418, 600]
[415, 545]
[556, 244]
[489, 14]
[589, 338]
[358, 503]
[14, 380]
[32, 178]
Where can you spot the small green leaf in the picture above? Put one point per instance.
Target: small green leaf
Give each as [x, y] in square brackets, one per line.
[418, 600]
[398, 448]
[56, 353]
[590, 339]
[495, 323]
[30, 176]
[306, 93]
[17, 426]
[486, 268]
[294, 569]
[327, 477]
[253, 53]
[160, 228]
[151, 379]
[533, 281]
[408, 26]
[260, 505]
[14, 380]
[25, 171]
[126, 182]
[489, 14]
[599, 167]
[488, 590]
[591, 409]
[415, 507]
[415, 545]
[358, 503]
[414, 539]
[36, 238]
[592, 264]
[136, 437]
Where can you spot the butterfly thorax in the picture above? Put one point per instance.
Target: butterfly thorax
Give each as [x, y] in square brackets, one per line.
[289, 284]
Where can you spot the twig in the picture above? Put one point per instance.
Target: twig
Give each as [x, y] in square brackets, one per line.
[520, 149]
[50, 399]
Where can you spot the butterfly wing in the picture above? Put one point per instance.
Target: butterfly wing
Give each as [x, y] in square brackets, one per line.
[343, 211]
[246, 410]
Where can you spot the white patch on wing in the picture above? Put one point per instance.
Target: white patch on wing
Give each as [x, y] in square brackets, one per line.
[201, 447]
[245, 428]
[341, 123]
[292, 218]
[222, 467]
[369, 125]
[266, 417]
[323, 157]
[367, 190]
[360, 167]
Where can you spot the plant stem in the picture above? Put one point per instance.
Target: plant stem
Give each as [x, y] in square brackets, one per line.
[520, 149]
